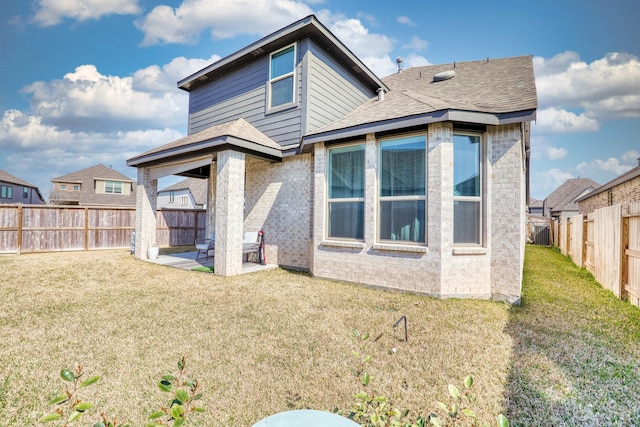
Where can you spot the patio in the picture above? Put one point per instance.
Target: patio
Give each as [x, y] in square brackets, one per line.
[189, 261]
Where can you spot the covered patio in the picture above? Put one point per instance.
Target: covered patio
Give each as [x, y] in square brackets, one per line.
[218, 153]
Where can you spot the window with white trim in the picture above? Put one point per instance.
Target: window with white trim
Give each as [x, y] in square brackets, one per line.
[346, 192]
[185, 200]
[114, 187]
[402, 213]
[467, 189]
[172, 196]
[282, 77]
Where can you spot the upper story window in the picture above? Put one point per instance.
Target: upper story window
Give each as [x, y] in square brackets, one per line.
[76, 188]
[114, 187]
[25, 192]
[6, 192]
[185, 200]
[467, 189]
[282, 77]
[63, 186]
[172, 196]
[346, 192]
[402, 214]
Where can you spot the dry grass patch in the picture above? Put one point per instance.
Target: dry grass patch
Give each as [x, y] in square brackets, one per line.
[258, 344]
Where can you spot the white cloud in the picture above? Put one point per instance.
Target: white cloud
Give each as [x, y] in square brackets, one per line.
[554, 120]
[542, 149]
[547, 181]
[51, 12]
[416, 43]
[88, 100]
[415, 60]
[607, 88]
[223, 18]
[612, 164]
[406, 21]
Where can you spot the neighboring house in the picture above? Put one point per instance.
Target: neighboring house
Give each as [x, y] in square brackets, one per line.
[95, 186]
[190, 193]
[536, 207]
[15, 190]
[562, 202]
[621, 190]
[414, 182]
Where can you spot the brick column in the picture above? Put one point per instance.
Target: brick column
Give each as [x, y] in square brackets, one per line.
[211, 200]
[229, 213]
[146, 203]
[319, 201]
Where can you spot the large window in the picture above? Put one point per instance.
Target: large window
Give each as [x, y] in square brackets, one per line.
[114, 187]
[403, 189]
[6, 192]
[282, 77]
[467, 189]
[346, 192]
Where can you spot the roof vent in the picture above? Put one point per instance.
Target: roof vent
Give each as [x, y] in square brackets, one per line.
[399, 62]
[445, 75]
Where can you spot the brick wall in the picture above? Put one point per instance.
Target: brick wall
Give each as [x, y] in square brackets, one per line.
[624, 194]
[439, 268]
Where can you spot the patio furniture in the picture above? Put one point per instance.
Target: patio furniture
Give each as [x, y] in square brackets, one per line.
[252, 245]
[206, 246]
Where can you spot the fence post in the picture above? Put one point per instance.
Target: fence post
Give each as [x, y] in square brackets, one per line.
[585, 226]
[86, 229]
[624, 258]
[19, 229]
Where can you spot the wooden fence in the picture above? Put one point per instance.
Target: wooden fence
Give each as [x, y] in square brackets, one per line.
[37, 228]
[607, 243]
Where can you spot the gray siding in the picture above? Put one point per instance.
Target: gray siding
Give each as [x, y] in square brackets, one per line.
[17, 194]
[243, 94]
[332, 91]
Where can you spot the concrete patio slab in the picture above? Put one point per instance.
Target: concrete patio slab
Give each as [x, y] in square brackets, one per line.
[189, 261]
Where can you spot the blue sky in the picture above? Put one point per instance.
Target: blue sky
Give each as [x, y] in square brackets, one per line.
[94, 81]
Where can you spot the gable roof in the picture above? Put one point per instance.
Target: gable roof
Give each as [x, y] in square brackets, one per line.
[197, 186]
[98, 172]
[627, 176]
[238, 133]
[565, 196]
[287, 35]
[491, 92]
[87, 194]
[7, 177]
[11, 179]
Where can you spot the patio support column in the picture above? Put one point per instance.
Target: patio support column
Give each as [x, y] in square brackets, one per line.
[229, 213]
[146, 203]
[210, 225]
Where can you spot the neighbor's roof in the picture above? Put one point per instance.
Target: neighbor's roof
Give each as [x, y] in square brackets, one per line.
[94, 172]
[197, 186]
[491, 91]
[565, 196]
[627, 176]
[289, 34]
[7, 177]
[239, 133]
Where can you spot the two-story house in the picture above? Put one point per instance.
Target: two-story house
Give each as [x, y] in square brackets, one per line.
[14, 190]
[416, 182]
[190, 193]
[98, 185]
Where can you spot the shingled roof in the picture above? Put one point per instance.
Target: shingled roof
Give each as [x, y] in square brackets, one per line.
[87, 194]
[197, 186]
[564, 197]
[501, 90]
[239, 133]
[12, 179]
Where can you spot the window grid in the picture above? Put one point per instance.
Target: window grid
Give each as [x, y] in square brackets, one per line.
[282, 77]
[402, 194]
[467, 190]
[346, 192]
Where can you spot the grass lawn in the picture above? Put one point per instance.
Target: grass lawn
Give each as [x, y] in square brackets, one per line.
[279, 340]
